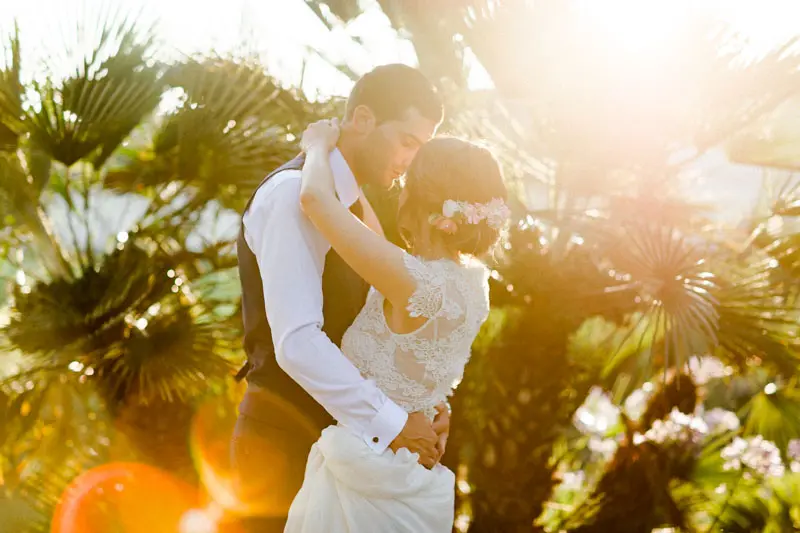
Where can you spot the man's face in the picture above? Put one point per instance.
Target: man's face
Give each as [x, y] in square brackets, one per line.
[389, 147]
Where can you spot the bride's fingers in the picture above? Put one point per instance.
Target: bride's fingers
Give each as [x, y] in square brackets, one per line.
[326, 127]
[441, 445]
[334, 124]
[441, 423]
[321, 131]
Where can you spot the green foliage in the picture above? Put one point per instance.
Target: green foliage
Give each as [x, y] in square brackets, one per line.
[118, 328]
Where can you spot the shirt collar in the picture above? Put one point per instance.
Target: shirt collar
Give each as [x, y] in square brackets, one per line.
[344, 181]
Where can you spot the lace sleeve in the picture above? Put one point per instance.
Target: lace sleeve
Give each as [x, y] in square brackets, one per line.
[432, 298]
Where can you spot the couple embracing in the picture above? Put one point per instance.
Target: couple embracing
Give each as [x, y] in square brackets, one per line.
[353, 343]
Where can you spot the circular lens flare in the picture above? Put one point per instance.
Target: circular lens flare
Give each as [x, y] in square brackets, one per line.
[129, 497]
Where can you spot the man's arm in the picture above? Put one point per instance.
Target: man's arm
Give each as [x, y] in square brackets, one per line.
[291, 256]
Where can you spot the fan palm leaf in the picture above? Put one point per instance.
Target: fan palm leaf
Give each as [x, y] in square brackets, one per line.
[756, 325]
[19, 200]
[774, 416]
[234, 124]
[779, 238]
[129, 325]
[54, 428]
[11, 124]
[112, 89]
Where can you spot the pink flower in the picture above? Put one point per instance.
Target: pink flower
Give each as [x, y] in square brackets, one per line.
[447, 225]
[450, 208]
[472, 213]
[497, 212]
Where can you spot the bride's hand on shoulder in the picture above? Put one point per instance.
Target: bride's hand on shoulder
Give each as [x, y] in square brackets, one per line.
[317, 177]
[323, 135]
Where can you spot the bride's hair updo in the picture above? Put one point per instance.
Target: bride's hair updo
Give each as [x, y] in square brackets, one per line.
[456, 187]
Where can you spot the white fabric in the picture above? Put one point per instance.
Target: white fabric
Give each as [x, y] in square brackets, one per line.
[291, 256]
[350, 488]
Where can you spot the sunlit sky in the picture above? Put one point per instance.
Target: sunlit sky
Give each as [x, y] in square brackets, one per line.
[283, 31]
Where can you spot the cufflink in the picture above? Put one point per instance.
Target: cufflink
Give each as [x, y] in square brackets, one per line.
[375, 440]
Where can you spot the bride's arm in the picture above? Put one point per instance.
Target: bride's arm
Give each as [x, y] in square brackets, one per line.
[375, 259]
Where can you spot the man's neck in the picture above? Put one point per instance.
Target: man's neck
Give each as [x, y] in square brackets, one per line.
[348, 147]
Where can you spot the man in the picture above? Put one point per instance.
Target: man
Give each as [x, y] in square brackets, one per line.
[298, 298]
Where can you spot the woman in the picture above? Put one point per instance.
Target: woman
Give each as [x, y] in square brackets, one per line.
[413, 335]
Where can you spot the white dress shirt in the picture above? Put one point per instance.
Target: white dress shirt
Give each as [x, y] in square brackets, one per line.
[291, 256]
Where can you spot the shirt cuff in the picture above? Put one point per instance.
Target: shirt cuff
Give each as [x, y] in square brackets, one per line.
[385, 427]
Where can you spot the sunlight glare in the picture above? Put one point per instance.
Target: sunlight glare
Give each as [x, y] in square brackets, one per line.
[200, 520]
[642, 27]
[633, 25]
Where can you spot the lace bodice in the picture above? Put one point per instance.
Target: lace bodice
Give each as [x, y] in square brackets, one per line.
[418, 370]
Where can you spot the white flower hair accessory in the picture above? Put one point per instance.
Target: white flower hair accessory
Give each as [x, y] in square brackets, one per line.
[494, 212]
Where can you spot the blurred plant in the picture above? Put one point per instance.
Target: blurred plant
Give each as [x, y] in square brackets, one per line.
[118, 230]
[661, 447]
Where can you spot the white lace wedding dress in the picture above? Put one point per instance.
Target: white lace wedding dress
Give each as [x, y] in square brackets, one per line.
[349, 488]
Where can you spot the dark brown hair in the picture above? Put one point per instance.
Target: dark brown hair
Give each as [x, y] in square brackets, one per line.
[447, 168]
[391, 90]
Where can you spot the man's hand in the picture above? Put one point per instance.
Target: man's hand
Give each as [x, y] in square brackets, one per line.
[419, 437]
[441, 425]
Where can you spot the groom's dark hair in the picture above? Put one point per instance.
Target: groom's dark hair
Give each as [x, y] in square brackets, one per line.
[391, 90]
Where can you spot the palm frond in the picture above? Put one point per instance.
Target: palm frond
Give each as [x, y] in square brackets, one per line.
[693, 297]
[779, 238]
[755, 324]
[663, 264]
[758, 313]
[741, 511]
[54, 428]
[133, 325]
[114, 86]
[11, 124]
[346, 10]
[234, 125]
[774, 416]
[19, 201]
[17, 196]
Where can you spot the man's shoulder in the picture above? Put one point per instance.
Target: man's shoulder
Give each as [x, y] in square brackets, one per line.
[284, 183]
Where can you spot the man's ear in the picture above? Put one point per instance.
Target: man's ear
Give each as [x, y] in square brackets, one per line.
[363, 120]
